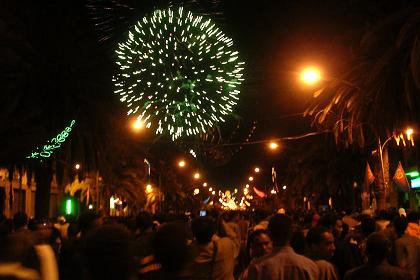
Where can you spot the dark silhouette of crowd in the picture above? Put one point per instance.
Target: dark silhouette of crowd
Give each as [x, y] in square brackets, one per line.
[223, 245]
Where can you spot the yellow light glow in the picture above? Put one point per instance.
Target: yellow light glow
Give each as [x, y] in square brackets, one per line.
[213, 193]
[247, 186]
[181, 163]
[284, 187]
[210, 189]
[196, 191]
[273, 145]
[310, 75]
[204, 184]
[149, 188]
[246, 191]
[196, 175]
[236, 190]
[251, 178]
[409, 133]
[257, 170]
[138, 124]
[77, 166]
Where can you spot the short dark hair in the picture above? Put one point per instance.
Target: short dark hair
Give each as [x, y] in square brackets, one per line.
[377, 247]
[144, 221]
[108, 253]
[203, 229]
[413, 217]
[315, 235]
[20, 219]
[400, 224]
[280, 228]
[368, 225]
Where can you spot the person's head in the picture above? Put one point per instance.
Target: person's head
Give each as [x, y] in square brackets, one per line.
[377, 248]
[328, 221]
[368, 226]
[338, 228]
[171, 249]
[144, 221]
[280, 229]
[88, 221]
[383, 215]
[321, 242]
[203, 229]
[400, 225]
[260, 243]
[413, 217]
[107, 253]
[20, 219]
[315, 219]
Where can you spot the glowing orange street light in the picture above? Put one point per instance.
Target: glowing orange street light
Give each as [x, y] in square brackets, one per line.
[409, 133]
[181, 163]
[251, 178]
[138, 124]
[310, 75]
[257, 170]
[196, 175]
[273, 145]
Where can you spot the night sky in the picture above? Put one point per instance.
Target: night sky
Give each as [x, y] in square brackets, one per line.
[51, 59]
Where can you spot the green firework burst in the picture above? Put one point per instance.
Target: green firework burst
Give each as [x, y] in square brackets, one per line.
[178, 73]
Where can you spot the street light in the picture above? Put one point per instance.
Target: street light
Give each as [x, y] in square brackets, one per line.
[138, 124]
[310, 75]
[273, 145]
[181, 163]
[149, 188]
[257, 170]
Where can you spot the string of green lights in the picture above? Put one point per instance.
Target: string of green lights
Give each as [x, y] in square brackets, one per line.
[178, 73]
[48, 149]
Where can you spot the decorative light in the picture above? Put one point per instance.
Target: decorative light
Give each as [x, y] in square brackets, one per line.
[77, 166]
[246, 191]
[196, 191]
[138, 124]
[196, 175]
[257, 170]
[273, 191]
[251, 178]
[178, 73]
[210, 189]
[90, 206]
[47, 150]
[181, 163]
[284, 187]
[247, 186]
[149, 188]
[213, 192]
[204, 184]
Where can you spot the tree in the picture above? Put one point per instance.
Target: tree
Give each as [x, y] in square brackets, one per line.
[378, 95]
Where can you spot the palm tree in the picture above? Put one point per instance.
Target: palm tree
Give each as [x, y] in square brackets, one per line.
[379, 93]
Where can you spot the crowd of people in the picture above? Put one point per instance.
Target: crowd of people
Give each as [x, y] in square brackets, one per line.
[222, 245]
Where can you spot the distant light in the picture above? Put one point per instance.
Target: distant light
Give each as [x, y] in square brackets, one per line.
[138, 124]
[192, 152]
[284, 187]
[181, 163]
[273, 145]
[90, 206]
[257, 170]
[210, 189]
[69, 207]
[204, 184]
[310, 75]
[196, 175]
[196, 191]
[236, 190]
[213, 192]
[413, 174]
[251, 178]
[77, 166]
[273, 191]
[149, 188]
[246, 191]
[247, 186]
[409, 132]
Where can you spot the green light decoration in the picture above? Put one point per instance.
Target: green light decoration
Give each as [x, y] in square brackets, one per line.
[47, 150]
[178, 73]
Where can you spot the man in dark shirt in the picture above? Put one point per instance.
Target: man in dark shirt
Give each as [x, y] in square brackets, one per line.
[377, 267]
